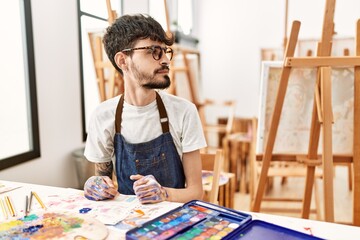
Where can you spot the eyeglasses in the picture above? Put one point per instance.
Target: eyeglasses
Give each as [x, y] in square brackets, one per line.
[156, 51]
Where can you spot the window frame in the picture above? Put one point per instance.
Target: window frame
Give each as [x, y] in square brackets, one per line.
[29, 63]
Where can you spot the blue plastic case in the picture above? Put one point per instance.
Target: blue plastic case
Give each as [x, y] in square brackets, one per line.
[202, 220]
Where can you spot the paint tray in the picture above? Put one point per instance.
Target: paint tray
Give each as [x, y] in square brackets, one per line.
[201, 220]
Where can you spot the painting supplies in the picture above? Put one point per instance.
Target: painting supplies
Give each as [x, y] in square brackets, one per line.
[202, 220]
[3, 209]
[26, 206]
[30, 202]
[10, 206]
[39, 200]
[53, 225]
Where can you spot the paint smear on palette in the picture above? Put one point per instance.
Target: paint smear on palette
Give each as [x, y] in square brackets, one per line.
[109, 212]
[53, 225]
[142, 213]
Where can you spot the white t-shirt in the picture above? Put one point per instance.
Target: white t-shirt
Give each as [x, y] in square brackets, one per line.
[142, 124]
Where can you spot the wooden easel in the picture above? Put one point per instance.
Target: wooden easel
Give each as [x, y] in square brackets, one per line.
[110, 81]
[185, 67]
[321, 116]
[111, 13]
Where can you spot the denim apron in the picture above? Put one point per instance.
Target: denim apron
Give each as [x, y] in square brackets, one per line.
[157, 157]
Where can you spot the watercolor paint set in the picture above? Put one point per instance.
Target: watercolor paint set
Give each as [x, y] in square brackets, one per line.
[201, 220]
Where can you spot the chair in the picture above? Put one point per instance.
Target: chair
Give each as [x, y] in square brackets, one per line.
[213, 163]
[236, 149]
[211, 126]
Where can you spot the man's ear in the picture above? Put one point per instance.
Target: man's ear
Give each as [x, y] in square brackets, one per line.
[120, 60]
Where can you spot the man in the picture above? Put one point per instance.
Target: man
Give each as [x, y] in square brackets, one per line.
[154, 136]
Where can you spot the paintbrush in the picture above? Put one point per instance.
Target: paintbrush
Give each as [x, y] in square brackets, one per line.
[10, 206]
[30, 201]
[39, 200]
[3, 209]
[26, 211]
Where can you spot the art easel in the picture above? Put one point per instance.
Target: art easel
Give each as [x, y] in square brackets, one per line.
[321, 117]
[110, 81]
[184, 53]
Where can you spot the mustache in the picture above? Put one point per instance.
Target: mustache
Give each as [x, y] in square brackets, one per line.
[162, 68]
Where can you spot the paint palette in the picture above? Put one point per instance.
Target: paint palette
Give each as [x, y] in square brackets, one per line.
[201, 220]
[53, 225]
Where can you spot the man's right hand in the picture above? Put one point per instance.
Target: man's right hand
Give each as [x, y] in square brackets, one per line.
[99, 188]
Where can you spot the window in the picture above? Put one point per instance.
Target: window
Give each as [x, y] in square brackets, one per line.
[19, 131]
[180, 14]
[92, 18]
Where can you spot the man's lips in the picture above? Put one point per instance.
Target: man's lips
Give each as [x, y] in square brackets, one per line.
[163, 70]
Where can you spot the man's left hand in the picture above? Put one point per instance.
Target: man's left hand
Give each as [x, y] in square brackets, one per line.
[148, 190]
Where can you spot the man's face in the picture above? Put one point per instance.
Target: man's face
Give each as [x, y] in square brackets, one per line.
[148, 72]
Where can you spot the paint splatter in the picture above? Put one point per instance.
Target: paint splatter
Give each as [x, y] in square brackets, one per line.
[43, 226]
[84, 210]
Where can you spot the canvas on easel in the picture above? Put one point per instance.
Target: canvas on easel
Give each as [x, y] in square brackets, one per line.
[322, 118]
[295, 120]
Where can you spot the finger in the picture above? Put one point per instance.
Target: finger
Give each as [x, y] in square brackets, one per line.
[141, 188]
[93, 195]
[108, 181]
[148, 192]
[141, 182]
[112, 192]
[136, 177]
[147, 180]
[144, 185]
[150, 199]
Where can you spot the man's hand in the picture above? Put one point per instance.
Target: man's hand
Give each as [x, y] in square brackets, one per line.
[99, 188]
[148, 190]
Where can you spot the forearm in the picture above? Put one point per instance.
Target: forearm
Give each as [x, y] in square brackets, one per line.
[194, 189]
[104, 169]
[185, 194]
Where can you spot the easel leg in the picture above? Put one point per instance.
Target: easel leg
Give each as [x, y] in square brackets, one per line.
[313, 149]
[327, 156]
[275, 118]
[356, 147]
[309, 183]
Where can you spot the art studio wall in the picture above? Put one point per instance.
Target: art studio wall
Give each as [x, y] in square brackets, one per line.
[231, 33]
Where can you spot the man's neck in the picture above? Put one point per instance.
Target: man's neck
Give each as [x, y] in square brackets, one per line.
[139, 97]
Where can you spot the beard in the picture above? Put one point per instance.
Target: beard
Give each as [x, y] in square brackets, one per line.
[165, 83]
[153, 80]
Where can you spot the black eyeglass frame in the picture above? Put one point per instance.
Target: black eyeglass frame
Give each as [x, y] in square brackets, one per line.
[156, 57]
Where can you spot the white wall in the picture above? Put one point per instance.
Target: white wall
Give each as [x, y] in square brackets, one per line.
[58, 90]
[231, 33]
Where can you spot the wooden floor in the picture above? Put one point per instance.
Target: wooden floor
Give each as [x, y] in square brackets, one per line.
[295, 187]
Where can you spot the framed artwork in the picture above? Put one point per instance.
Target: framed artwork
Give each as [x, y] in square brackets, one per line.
[295, 120]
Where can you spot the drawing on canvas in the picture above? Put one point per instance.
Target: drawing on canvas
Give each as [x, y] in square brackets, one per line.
[295, 120]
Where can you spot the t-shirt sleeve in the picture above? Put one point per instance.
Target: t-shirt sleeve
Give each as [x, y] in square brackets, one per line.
[99, 142]
[193, 135]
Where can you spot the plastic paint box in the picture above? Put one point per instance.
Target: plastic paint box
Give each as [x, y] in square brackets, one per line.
[201, 220]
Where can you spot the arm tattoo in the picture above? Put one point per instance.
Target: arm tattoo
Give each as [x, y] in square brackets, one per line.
[104, 169]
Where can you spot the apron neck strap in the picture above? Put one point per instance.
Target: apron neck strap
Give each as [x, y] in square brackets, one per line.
[164, 120]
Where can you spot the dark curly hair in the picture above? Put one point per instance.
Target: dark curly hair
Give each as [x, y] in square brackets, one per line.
[128, 29]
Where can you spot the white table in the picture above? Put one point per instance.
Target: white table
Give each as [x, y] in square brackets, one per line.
[316, 228]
